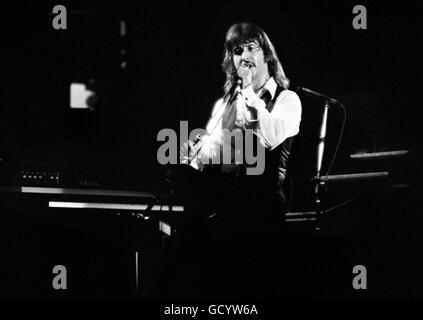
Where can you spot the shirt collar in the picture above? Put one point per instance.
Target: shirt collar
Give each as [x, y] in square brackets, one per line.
[270, 86]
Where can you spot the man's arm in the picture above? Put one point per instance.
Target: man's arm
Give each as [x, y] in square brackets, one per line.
[215, 115]
[284, 120]
[208, 143]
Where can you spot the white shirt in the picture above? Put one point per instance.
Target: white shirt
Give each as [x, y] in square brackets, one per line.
[273, 127]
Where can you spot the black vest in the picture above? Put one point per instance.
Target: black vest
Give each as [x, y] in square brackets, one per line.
[270, 182]
[240, 194]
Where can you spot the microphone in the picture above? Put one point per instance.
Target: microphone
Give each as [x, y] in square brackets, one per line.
[317, 94]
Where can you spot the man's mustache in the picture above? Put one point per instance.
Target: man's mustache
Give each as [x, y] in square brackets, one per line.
[248, 64]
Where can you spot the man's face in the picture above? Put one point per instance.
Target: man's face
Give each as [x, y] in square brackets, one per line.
[251, 55]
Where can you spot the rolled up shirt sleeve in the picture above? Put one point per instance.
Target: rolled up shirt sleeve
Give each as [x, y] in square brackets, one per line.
[281, 123]
[217, 111]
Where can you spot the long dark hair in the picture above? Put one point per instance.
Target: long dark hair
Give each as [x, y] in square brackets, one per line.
[242, 33]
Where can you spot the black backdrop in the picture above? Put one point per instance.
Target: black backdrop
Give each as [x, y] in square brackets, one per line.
[173, 57]
[174, 52]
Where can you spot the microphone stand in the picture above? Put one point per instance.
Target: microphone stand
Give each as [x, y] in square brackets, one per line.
[235, 93]
[319, 183]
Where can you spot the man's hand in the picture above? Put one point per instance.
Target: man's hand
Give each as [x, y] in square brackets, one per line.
[188, 155]
[245, 73]
[186, 152]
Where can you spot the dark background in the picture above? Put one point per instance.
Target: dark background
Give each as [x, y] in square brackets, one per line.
[174, 52]
[173, 55]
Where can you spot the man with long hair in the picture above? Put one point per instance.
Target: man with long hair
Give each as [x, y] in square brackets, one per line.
[258, 107]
